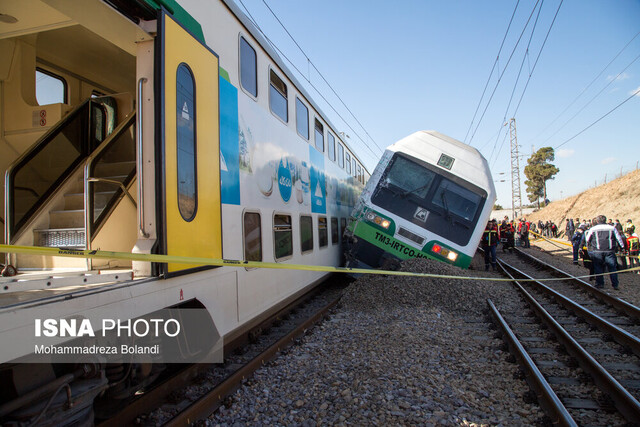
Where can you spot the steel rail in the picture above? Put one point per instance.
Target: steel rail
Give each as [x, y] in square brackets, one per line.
[547, 398]
[615, 302]
[621, 336]
[211, 401]
[628, 406]
[148, 401]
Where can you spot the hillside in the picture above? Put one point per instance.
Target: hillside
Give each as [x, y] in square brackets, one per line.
[618, 199]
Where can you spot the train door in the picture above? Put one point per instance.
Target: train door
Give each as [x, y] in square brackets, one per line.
[189, 146]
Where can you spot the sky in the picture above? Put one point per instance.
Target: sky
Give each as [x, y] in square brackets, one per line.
[565, 70]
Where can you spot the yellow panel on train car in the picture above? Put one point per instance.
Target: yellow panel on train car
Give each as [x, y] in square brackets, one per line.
[191, 146]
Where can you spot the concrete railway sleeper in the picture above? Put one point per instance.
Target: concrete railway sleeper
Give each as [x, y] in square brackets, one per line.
[570, 368]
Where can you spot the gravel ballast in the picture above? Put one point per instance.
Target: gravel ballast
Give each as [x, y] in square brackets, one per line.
[399, 350]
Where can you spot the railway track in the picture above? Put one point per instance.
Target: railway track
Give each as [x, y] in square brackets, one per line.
[578, 346]
[195, 391]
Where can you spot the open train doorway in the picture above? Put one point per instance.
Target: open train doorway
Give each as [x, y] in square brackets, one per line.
[67, 130]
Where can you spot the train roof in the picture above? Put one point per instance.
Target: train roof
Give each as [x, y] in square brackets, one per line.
[429, 145]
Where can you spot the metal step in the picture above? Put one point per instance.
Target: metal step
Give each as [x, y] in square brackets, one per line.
[74, 201]
[66, 219]
[60, 237]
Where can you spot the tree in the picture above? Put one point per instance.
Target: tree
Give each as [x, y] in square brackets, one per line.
[538, 171]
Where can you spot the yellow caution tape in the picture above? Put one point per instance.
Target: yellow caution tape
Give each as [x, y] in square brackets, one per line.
[553, 241]
[99, 254]
[550, 240]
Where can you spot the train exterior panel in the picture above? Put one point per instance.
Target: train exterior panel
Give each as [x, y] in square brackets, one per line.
[429, 196]
[177, 130]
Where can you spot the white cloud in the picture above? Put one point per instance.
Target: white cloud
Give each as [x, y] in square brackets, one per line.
[564, 153]
[608, 160]
[622, 76]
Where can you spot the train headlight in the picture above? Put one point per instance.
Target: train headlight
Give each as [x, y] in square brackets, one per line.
[372, 217]
[450, 255]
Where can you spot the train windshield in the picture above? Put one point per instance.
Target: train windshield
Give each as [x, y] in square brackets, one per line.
[410, 177]
[409, 188]
[456, 199]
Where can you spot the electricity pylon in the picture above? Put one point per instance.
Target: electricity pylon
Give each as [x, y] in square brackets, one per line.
[516, 199]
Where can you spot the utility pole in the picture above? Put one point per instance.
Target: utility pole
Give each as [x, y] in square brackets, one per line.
[516, 200]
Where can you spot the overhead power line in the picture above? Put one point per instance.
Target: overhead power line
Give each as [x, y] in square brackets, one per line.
[531, 70]
[610, 111]
[587, 87]
[538, 57]
[515, 85]
[495, 64]
[323, 78]
[310, 83]
[504, 70]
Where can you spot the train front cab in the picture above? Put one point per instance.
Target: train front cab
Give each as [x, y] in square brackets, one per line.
[415, 209]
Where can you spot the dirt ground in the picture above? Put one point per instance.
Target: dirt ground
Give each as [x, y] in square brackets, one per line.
[618, 199]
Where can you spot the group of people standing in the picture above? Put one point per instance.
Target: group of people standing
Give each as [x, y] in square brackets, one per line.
[548, 228]
[505, 233]
[598, 242]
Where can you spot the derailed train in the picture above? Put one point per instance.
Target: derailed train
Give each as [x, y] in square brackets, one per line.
[430, 196]
[151, 127]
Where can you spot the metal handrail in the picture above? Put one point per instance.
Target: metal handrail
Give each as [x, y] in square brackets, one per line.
[88, 165]
[8, 181]
[114, 182]
[141, 229]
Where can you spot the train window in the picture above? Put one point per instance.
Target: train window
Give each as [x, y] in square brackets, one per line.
[348, 162]
[335, 233]
[319, 136]
[278, 97]
[282, 236]
[430, 198]
[323, 234]
[186, 142]
[248, 68]
[343, 225]
[306, 233]
[410, 177]
[302, 119]
[341, 156]
[359, 173]
[456, 199]
[353, 165]
[50, 88]
[331, 146]
[252, 237]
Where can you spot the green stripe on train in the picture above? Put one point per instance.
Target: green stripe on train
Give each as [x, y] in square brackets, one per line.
[371, 234]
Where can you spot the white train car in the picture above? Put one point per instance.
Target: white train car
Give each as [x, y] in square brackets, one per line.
[176, 129]
[429, 196]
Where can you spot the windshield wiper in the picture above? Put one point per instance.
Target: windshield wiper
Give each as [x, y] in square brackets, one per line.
[446, 207]
[407, 192]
